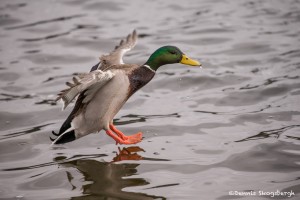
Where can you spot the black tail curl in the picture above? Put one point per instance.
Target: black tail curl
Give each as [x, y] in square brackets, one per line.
[65, 138]
[61, 135]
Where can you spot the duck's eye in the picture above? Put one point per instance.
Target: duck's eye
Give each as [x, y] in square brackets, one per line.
[173, 52]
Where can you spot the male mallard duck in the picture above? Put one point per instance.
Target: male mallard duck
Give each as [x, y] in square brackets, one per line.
[104, 90]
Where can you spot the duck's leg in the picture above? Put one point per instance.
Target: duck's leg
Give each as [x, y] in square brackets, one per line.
[123, 139]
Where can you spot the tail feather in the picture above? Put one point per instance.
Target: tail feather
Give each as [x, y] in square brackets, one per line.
[66, 132]
[56, 134]
[51, 138]
[67, 136]
[64, 138]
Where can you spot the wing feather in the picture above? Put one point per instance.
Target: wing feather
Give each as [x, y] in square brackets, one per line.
[116, 56]
[88, 83]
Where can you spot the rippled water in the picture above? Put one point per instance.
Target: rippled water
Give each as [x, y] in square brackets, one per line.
[231, 126]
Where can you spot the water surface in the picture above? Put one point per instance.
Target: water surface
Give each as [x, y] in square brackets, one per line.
[231, 126]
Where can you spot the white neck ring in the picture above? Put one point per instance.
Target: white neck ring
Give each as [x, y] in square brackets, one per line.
[147, 66]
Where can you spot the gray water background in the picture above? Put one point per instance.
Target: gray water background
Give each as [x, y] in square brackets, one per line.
[231, 126]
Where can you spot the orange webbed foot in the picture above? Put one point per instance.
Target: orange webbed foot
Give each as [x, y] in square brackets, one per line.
[137, 136]
[131, 140]
[121, 138]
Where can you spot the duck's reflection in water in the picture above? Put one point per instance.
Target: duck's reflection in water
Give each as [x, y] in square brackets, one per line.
[106, 180]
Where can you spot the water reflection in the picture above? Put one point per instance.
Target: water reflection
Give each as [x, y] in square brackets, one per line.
[107, 179]
[129, 153]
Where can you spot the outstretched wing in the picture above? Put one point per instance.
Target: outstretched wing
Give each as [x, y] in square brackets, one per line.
[116, 56]
[88, 83]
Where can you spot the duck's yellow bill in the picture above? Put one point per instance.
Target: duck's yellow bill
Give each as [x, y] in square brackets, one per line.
[188, 61]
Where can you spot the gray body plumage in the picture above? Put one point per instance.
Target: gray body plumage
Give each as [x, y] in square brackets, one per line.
[100, 111]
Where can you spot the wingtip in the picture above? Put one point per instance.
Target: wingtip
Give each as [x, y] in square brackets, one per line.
[134, 34]
[69, 84]
[75, 80]
[128, 38]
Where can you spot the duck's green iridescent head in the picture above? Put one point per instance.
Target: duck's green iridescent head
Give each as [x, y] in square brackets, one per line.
[169, 55]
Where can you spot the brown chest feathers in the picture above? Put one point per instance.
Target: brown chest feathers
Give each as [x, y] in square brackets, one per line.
[138, 78]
